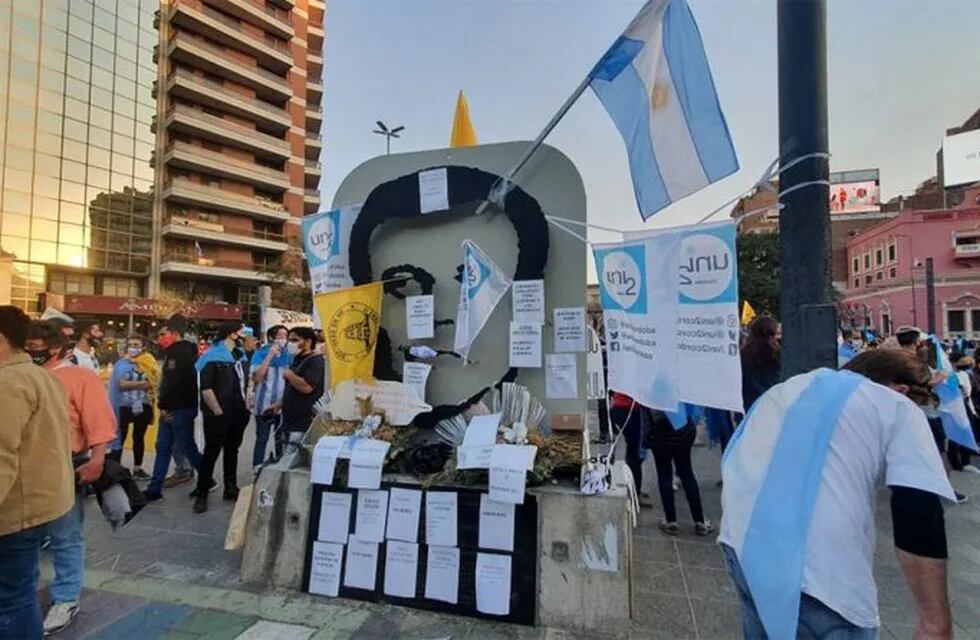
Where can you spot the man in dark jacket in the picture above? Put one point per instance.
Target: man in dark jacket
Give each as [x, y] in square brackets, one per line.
[226, 415]
[176, 401]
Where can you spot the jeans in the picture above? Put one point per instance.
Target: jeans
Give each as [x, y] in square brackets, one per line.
[20, 609]
[677, 457]
[817, 620]
[68, 552]
[181, 464]
[176, 428]
[263, 427]
[222, 435]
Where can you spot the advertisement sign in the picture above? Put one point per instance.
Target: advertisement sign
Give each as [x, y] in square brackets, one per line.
[961, 158]
[272, 316]
[855, 197]
[707, 315]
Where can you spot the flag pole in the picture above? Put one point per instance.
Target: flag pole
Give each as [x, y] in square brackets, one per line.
[504, 184]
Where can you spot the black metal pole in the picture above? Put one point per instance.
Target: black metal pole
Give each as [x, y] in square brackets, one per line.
[930, 297]
[808, 315]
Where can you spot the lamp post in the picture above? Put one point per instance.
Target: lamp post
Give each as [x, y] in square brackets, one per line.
[383, 130]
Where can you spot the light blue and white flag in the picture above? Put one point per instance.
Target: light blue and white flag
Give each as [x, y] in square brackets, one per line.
[483, 285]
[656, 85]
[952, 410]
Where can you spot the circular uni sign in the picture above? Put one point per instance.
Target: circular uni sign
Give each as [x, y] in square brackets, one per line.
[707, 267]
[622, 279]
[321, 238]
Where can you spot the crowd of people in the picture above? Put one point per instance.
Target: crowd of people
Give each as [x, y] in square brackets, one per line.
[66, 428]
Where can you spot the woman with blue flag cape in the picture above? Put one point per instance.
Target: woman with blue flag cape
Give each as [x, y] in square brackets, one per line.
[800, 478]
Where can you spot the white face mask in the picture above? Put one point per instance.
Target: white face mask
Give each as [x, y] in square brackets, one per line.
[281, 343]
[293, 348]
[134, 351]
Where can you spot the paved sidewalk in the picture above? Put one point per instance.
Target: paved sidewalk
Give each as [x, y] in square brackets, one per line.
[166, 575]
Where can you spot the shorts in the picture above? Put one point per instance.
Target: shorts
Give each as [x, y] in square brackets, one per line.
[938, 434]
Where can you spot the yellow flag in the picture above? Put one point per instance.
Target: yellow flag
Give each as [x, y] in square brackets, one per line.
[464, 135]
[748, 313]
[350, 319]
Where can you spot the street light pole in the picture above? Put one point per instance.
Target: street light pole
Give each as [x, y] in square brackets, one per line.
[383, 130]
[808, 314]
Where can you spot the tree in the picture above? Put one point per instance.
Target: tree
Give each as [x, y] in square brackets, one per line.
[291, 287]
[758, 271]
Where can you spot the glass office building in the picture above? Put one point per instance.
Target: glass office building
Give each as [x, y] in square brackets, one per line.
[76, 105]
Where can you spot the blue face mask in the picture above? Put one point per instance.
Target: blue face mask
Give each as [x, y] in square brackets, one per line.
[134, 351]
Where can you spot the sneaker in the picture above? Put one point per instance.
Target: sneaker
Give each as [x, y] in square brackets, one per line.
[670, 528]
[152, 497]
[139, 474]
[971, 469]
[961, 498]
[177, 479]
[646, 500]
[703, 528]
[59, 617]
[201, 504]
[211, 487]
[676, 483]
[230, 493]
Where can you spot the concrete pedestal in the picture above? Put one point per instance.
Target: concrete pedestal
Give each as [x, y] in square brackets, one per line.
[585, 555]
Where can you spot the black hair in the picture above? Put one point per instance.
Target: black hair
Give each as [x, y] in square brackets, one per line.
[304, 333]
[86, 327]
[759, 349]
[49, 332]
[14, 324]
[274, 329]
[907, 338]
[846, 334]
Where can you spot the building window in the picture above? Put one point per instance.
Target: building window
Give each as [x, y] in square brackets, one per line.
[867, 261]
[955, 321]
[857, 282]
[121, 287]
[880, 275]
[71, 283]
[868, 279]
[892, 253]
[886, 324]
[892, 272]
[879, 257]
[856, 266]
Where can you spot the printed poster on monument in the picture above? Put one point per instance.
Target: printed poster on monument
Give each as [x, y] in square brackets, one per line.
[639, 301]
[708, 329]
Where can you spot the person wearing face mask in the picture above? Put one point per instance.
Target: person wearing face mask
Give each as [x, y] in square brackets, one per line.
[304, 379]
[89, 339]
[268, 365]
[132, 390]
[222, 372]
[92, 426]
[176, 402]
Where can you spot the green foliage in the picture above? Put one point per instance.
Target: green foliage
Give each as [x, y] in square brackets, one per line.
[758, 271]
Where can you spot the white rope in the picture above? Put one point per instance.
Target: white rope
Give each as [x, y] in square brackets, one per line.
[559, 225]
[796, 187]
[587, 225]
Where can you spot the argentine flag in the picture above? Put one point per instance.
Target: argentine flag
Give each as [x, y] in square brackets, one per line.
[483, 285]
[656, 85]
[952, 410]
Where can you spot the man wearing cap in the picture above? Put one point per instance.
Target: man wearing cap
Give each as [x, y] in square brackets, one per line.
[176, 401]
[223, 380]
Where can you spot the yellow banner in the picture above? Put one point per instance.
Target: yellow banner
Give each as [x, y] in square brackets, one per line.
[350, 319]
[748, 313]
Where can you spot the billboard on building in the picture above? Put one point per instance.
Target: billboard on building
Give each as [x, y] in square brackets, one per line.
[961, 158]
[855, 197]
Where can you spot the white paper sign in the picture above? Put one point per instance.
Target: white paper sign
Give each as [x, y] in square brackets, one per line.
[401, 568]
[508, 473]
[433, 190]
[476, 457]
[569, 323]
[420, 317]
[496, 524]
[397, 400]
[334, 517]
[440, 518]
[366, 461]
[325, 568]
[404, 509]
[372, 509]
[525, 344]
[442, 574]
[415, 375]
[528, 299]
[595, 372]
[324, 461]
[493, 584]
[478, 440]
[561, 376]
[362, 564]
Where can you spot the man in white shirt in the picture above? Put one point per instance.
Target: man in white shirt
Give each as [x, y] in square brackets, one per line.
[800, 478]
[89, 340]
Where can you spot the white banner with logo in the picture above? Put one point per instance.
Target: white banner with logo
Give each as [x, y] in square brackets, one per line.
[482, 287]
[638, 288]
[708, 330]
[272, 316]
[326, 241]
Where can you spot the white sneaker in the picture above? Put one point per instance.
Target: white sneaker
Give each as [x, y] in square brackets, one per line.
[971, 469]
[59, 617]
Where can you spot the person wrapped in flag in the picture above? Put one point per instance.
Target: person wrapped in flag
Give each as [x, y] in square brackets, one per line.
[800, 477]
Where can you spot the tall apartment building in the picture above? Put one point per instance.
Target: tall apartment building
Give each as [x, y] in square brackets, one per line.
[150, 147]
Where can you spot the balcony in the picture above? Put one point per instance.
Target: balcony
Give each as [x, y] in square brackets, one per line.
[313, 168]
[315, 31]
[188, 156]
[313, 57]
[184, 119]
[314, 87]
[272, 19]
[197, 17]
[188, 50]
[184, 264]
[313, 147]
[180, 227]
[184, 84]
[311, 201]
[213, 198]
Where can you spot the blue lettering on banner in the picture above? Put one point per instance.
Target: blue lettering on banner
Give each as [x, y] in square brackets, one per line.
[708, 269]
[623, 278]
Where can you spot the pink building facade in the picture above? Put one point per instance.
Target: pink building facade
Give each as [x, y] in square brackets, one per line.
[886, 273]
